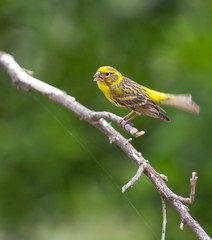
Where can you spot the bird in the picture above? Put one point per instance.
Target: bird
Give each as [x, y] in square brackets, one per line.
[126, 93]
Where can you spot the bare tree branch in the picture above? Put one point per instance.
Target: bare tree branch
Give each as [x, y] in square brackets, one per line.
[24, 81]
[190, 200]
[182, 224]
[126, 126]
[135, 178]
[163, 200]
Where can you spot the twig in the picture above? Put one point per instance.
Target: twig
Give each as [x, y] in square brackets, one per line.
[28, 83]
[193, 182]
[163, 200]
[164, 177]
[135, 177]
[190, 200]
[126, 126]
[182, 224]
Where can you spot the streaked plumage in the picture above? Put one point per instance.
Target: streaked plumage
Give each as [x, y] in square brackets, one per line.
[124, 92]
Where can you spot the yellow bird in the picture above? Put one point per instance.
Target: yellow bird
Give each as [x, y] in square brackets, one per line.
[124, 92]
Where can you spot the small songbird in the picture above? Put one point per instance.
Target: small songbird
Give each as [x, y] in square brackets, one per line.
[124, 92]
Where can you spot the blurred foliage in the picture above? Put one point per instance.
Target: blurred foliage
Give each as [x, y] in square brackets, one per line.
[59, 177]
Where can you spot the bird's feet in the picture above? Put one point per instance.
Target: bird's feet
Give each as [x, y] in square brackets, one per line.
[129, 127]
[123, 123]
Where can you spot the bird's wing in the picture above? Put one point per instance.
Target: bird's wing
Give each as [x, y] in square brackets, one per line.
[131, 100]
[128, 93]
[131, 95]
[142, 104]
[136, 101]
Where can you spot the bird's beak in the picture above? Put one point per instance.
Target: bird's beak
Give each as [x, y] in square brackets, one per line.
[97, 76]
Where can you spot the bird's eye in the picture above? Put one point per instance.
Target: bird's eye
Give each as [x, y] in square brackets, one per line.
[107, 74]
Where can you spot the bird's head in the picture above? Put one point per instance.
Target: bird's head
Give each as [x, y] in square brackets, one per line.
[107, 75]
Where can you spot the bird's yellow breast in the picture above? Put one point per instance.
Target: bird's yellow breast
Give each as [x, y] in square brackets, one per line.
[106, 90]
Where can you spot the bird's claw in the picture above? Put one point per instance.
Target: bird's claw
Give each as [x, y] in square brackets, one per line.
[123, 123]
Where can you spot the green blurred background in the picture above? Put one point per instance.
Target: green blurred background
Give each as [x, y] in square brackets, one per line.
[59, 177]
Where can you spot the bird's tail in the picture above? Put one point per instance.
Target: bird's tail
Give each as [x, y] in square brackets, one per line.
[182, 101]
